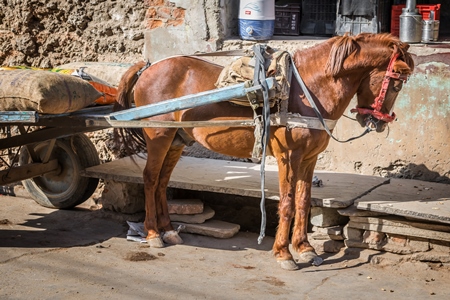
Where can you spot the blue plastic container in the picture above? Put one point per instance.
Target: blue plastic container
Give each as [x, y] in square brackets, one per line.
[256, 19]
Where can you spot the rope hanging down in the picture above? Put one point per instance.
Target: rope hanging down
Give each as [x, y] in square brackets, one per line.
[259, 78]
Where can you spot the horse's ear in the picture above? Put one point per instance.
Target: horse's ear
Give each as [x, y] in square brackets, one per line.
[404, 46]
[401, 67]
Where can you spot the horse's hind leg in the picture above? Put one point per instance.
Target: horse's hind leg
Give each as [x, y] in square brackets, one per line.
[158, 145]
[170, 236]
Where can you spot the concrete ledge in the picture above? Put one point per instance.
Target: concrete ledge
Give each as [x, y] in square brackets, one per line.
[339, 190]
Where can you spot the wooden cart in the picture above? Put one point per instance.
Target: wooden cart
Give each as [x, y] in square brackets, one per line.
[51, 150]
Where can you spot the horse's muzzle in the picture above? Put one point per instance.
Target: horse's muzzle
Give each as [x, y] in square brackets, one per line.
[371, 122]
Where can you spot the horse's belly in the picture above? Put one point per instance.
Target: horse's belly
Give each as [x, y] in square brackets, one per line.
[237, 142]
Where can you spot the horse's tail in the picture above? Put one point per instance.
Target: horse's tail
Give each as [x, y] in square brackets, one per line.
[130, 139]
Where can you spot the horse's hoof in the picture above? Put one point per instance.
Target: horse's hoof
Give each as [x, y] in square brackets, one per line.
[155, 242]
[310, 257]
[288, 265]
[172, 237]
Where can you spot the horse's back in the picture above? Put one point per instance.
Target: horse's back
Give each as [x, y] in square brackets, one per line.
[175, 77]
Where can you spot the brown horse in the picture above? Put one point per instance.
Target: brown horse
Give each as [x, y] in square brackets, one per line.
[371, 66]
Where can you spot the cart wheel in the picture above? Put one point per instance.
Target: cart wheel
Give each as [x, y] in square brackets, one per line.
[63, 188]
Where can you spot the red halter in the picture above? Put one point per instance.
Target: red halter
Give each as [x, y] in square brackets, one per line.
[378, 102]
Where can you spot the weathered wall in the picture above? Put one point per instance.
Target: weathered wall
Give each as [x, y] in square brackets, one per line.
[203, 26]
[48, 33]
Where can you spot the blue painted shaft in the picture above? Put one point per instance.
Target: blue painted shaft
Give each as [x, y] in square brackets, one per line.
[18, 117]
[186, 102]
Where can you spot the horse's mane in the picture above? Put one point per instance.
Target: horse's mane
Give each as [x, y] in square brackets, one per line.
[343, 46]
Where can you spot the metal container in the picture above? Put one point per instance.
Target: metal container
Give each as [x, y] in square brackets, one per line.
[435, 30]
[430, 31]
[427, 31]
[256, 19]
[410, 26]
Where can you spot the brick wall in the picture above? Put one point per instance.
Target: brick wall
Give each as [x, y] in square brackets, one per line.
[162, 13]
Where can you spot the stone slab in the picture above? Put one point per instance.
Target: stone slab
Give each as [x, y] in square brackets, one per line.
[323, 236]
[215, 228]
[352, 233]
[407, 231]
[410, 198]
[401, 222]
[207, 214]
[326, 217]
[352, 211]
[185, 206]
[326, 233]
[334, 230]
[399, 244]
[339, 190]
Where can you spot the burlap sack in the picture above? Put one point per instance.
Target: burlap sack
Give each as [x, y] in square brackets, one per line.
[242, 70]
[109, 92]
[108, 71]
[44, 92]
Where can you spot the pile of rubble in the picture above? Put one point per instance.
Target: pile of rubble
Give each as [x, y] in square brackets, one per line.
[406, 217]
[194, 217]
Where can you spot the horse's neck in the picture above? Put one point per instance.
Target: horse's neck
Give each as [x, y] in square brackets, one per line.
[332, 96]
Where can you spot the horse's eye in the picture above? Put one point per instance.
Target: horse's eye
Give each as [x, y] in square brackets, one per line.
[397, 88]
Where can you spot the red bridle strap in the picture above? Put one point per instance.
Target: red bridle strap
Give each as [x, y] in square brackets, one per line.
[378, 102]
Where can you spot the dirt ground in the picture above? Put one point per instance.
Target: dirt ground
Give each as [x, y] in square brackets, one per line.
[83, 254]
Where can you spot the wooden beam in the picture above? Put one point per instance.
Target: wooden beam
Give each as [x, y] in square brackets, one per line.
[28, 171]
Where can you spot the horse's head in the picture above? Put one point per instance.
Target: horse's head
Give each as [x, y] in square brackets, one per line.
[384, 65]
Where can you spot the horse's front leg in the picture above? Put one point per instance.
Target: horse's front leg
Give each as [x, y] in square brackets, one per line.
[300, 241]
[285, 214]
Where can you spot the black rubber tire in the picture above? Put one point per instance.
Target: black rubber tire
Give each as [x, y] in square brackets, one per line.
[64, 188]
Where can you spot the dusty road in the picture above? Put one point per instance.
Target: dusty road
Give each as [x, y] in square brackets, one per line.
[84, 254]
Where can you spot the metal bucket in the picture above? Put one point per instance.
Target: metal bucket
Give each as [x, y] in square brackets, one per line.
[430, 31]
[435, 31]
[410, 26]
[427, 31]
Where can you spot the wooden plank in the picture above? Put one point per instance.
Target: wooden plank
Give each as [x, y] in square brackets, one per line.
[230, 177]
[410, 198]
[43, 135]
